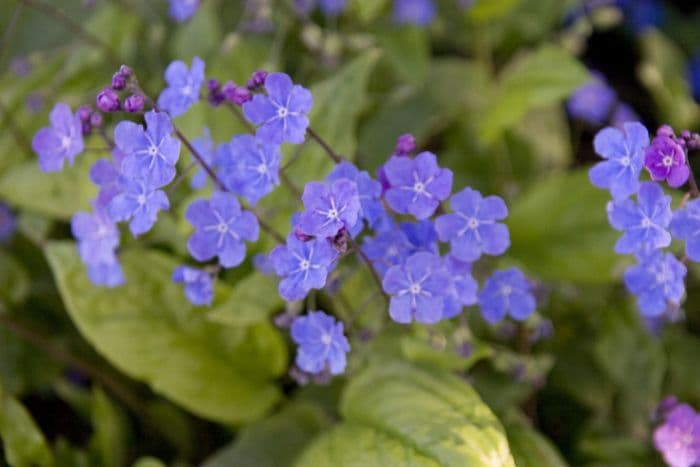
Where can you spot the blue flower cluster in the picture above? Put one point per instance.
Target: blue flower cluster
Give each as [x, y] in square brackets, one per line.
[420, 255]
[649, 224]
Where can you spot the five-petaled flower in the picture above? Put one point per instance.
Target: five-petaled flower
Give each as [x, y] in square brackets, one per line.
[60, 142]
[199, 285]
[624, 157]
[281, 115]
[463, 287]
[665, 159]
[329, 207]
[387, 249]
[183, 86]
[416, 185]
[321, 343]
[98, 238]
[369, 191]
[182, 10]
[151, 154]
[138, 202]
[417, 289]
[249, 166]
[506, 292]
[678, 437]
[685, 225]
[472, 228]
[221, 228]
[657, 281]
[644, 223]
[302, 265]
[418, 12]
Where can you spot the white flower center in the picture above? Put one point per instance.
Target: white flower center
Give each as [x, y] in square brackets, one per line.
[187, 90]
[141, 199]
[625, 161]
[326, 339]
[419, 187]
[415, 289]
[332, 213]
[506, 290]
[304, 264]
[222, 228]
[667, 161]
[152, 150]
[472, 223]
[282, 112]
[65, 142]
[262, 169]
[646, 222]
[392, 251]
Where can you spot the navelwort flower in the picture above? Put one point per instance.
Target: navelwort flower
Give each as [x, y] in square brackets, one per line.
[138, 202]
[199, 285]
[678, 438]
[657, 281]
[321, 343]
[472, 229]
[624, 154]
[369, 191]
[302, 265]
[151, 154]
[182, 10]
[592, 102]
[329, 207]
[205, 148]
[249, 167]
[105, 174]
[183, 86]
[60, 142]
[386, 249]
[421, 235]
[644, 223]
[281, 115]
[665, 159]
[418, 12]
[98, 238]
[463, 290]
[685, 225]
[507, 293]
[221, 228]
[416, 185]
[418, 289]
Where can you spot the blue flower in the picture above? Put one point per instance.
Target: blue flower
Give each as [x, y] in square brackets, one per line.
[105, 174]
[623, 114]
[249, 166]
[644, 224]
[694, 76]
[137, 202]
[321, 343]
[97, 236]
[221, 227]
[641, 15]
[417, 288]
[329, 207]
[302, 265]
[199, 285]
[106, 274]
[421, 235]
[418, 12]
[657, 281]
[7, 222]
[183, 86]
[472, 229]
[182, 10]
[506, 292]
[678, 437]
[331, 7]
[416, 185]
[151, 154]
[463, 287]
[281, 115]
[369, 190]
[205, 147]
[388, 248]
[624, 154]
[60, 142]
[685, 225]
[592, 102]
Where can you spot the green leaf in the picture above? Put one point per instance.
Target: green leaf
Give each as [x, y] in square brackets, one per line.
[251, 301]
[58, 195]
[149, 331]
[110, 430]
[397, 414]
[407, 50]
[489, 10]
[148, 462]
[200, 35]
[23, 443]
[14, 279]
[560, 232]
[530, 448]
[274, 442]
[534, 80]
[367, 10]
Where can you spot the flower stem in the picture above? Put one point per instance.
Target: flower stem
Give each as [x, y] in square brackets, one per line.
[337, 158]
[694, 191]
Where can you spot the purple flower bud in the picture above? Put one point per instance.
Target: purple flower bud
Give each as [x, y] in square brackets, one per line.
[665, 160]
[84, 112]
[107, 100]
[685, 134]
[125, 71]
[256, 80]
[96, 119]
[665, 406]
[302, 237]
[85, 127]
[134, 103]
[118, 81]
[215, 97]
[236, 94]
[665, 130]
[405, 144]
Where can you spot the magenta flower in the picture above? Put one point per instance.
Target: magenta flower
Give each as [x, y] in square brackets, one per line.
[665, 160]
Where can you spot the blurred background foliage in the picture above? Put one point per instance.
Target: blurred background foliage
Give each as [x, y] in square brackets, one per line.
[135, 376]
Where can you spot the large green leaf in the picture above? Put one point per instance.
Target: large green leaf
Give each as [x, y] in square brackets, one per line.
[534, 80]
[148, 330]
[250, 302]
[398, 414]
[407, 50]
[23, 443]
[273, 442]
[529, 447]
[559, 230]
